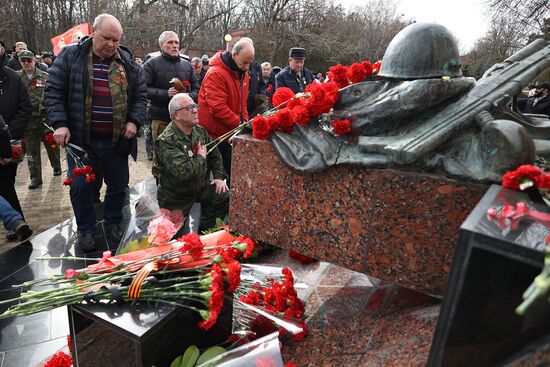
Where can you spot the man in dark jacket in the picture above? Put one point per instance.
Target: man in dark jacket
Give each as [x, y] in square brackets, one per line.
[159, 71]
[540, 102]
[257, 99]
[14, 63]
[95, 99]
[295, 76]
[16, 111]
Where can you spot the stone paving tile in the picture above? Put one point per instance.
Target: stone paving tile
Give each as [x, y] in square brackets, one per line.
[50, 204]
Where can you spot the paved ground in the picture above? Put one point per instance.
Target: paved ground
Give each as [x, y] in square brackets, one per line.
[50, 204]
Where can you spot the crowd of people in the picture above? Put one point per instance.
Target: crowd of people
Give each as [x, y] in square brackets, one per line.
[95, 96]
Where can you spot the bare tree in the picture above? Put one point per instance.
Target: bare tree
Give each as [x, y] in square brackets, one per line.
[531, 14]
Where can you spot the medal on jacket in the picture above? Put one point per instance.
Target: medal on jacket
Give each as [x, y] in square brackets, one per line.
[190, 153]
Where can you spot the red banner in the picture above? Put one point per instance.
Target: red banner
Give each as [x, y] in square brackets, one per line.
[73, 35]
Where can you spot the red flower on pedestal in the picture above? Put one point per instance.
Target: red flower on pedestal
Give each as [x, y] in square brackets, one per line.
[260, 128]
[356, 73]
[341, 127]
[338, 74]
[282, 95]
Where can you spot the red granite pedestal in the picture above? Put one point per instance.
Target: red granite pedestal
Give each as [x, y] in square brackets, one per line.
[393, 225]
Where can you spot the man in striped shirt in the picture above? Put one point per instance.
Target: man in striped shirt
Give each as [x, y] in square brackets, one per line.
[96, 100]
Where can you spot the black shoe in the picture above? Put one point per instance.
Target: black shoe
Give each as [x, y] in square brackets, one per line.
[11, 235]
[57, 172]
[22, 230]
[86, 242]
[114, 234]
[35, 185]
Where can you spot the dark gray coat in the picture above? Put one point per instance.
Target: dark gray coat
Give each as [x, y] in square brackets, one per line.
[158, 72]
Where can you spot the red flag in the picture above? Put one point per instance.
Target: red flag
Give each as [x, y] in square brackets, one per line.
[73, 35]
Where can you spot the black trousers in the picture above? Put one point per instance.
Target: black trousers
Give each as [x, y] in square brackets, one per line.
[226, 152]
[7, 186]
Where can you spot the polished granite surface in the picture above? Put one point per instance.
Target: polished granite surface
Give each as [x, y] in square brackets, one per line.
[353, 319]
[391, 224]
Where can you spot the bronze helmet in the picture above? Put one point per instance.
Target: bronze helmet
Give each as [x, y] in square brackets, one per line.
[421, 51]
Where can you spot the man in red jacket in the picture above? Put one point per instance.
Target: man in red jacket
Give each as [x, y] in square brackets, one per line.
[224, 92]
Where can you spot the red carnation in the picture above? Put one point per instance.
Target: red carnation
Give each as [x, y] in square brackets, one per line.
[301, 115]
[60, 360]
[68, 181]
[77, 171]
[87, 169]
[260, 128]
[90, 178]
[290, 364]
[341, 127]
[186, 83]
[270, 88]
[356, 73]
[192, 244]
[282, 95]
[338, 74]
[368, 68]
[16, 152]
[234, 275]
[332, 94]
[376, 67]
[543, 182]
[285, 120]
[513, 179]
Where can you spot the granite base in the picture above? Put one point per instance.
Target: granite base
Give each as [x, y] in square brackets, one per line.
[393, 225]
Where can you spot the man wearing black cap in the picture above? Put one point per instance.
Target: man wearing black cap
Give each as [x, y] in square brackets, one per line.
[540, 102]
[295, 76]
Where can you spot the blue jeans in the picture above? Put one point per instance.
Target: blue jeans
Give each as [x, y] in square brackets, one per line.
[115, 173]
[8, 214]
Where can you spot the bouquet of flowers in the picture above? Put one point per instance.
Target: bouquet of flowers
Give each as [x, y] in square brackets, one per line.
[71, 150]
[290, 108]
[192, 272]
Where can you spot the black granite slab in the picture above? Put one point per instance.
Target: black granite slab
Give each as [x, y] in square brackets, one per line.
[492, 268]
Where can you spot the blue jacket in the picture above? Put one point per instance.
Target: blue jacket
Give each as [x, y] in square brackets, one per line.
[287, 78]
[67, 84]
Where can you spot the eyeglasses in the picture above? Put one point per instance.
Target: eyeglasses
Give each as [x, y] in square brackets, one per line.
[189, 108]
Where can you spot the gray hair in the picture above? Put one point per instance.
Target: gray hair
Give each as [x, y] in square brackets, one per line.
[20, 43]
[242, 44]
[164, 35]
[174, 102]
[266, 64]
[98, 21]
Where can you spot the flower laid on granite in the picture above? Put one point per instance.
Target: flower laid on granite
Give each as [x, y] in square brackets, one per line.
[290, 108]
[182, 278]
[60, 360]
[278, 304]
[526, 176]
[301, 258]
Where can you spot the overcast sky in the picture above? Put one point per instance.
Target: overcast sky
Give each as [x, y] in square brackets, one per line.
[466, 19]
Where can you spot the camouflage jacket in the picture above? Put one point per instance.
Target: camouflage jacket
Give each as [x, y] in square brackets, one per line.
[36, 87]
[183, 173]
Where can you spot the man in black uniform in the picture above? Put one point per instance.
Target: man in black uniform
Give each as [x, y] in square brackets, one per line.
[295, 76]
